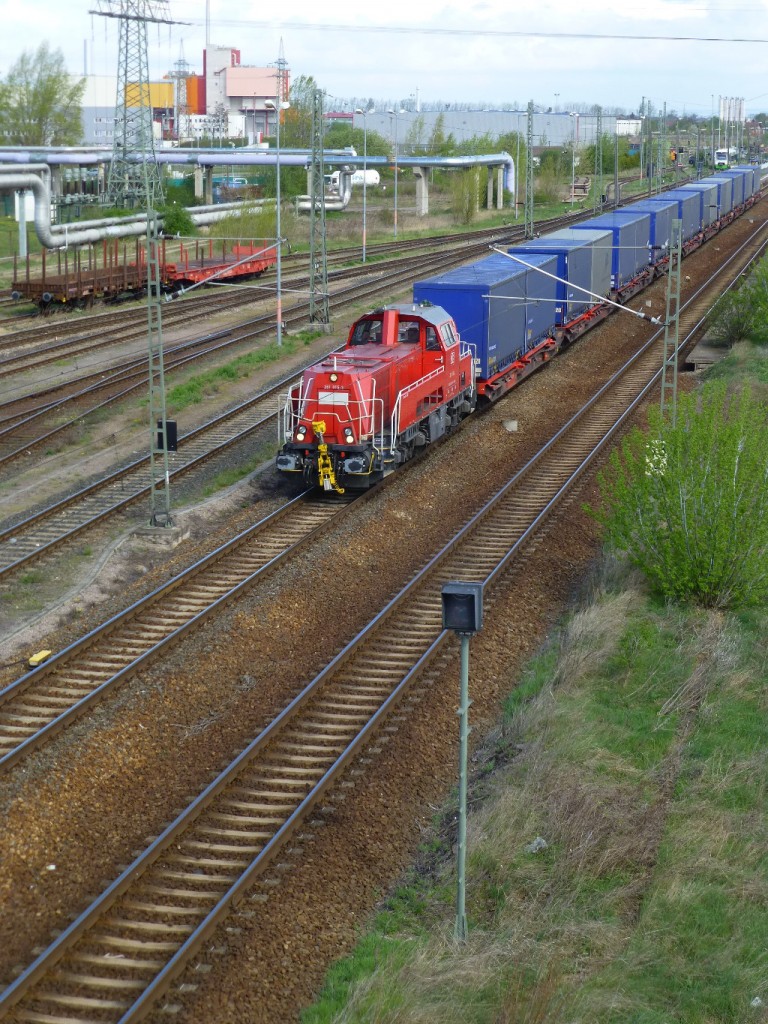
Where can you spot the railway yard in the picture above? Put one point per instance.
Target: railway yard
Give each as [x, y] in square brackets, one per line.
[207, 796]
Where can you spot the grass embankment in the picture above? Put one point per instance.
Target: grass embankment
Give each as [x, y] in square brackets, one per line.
[638, 773]
[618, 849]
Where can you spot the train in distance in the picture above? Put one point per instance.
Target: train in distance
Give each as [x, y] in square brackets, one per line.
[409, 373]
[725, 157]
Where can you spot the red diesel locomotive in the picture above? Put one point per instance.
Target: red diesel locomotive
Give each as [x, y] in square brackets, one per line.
[403, 380]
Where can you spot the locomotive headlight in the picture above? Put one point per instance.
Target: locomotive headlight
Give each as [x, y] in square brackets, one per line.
[334, 377]
[301, 433]
[349, 435]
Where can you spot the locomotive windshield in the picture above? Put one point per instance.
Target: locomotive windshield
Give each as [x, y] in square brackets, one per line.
[366, 332]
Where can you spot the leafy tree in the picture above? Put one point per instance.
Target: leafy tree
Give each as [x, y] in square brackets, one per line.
[39, 104]
[437, 138]
[689, 502]
[342, 134]
[465, 195]
[296, 126]
[415, 138]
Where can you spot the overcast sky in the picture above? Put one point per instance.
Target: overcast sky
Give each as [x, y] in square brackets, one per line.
[449, 50]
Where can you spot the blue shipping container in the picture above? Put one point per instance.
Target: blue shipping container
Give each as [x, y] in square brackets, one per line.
[631, 240]
[662, 215]
[602, 256]
[574, 270]
[500, 307]
[738, 184]
[724, 194]
[708, 192]
[752, 176]
[688, 209]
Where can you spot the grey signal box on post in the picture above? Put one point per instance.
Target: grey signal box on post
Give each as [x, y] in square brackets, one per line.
[463, 607]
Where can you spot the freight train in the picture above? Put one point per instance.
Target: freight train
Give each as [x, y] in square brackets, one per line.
[409, 373]
[91, 273]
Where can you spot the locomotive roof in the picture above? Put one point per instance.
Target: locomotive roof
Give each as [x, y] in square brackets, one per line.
[435, 315]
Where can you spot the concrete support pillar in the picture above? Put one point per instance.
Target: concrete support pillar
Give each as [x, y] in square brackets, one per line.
[422, 191]
[199, 184]
[208, 186]
[489, 188]
[500, 188]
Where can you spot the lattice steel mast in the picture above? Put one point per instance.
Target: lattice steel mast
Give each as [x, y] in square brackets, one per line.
[529, 229]
[597, 204]
[319, 310]
[672, 325]
[132, 182]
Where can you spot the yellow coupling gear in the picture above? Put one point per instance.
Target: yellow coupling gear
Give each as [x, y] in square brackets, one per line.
[325, 475]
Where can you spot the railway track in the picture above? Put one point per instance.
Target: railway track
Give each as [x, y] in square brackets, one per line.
[42, 703]
[294, 265]
[124, 952]
[344, 259]
[37, 536]
[23, 422]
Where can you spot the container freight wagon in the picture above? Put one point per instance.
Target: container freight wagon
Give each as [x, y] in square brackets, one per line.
[662, 215]
[688, 210]
[602, 257]
[583, 266]
[502, 308]
[737, 177]
[708, 192]
[752, 179]
[724, 194]
[631, 240]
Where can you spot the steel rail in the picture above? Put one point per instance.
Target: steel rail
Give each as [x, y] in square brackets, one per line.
[96, 664]
[254, 791]
[177, 357]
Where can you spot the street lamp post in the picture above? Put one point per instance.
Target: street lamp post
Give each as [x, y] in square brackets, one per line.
[396, 114]
[365, 114]
[574, 136]
[278, 107]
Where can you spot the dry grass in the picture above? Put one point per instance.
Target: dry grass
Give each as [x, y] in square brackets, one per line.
[643, 846]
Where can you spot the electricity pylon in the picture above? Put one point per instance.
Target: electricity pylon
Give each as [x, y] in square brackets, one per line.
[129, 183]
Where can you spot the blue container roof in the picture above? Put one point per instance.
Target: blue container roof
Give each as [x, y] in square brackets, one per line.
[672, 193]
[617, 218]
[487, 272]
[553, 243]
[651, 205]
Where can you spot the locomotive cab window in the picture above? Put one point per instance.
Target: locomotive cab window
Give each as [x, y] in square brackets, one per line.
[432, 343]
[366, 332]
[408, 332]
[448, 335]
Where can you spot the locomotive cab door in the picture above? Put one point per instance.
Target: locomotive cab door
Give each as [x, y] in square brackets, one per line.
[441, 349]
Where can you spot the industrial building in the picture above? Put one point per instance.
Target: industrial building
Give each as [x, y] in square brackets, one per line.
[226, 101]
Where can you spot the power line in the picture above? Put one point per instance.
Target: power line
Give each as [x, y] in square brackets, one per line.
[490, 32]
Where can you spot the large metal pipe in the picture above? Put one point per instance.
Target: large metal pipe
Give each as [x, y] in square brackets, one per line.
[22, 175]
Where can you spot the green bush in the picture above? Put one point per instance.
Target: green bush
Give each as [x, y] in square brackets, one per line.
[688, 502]
[177, 221]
